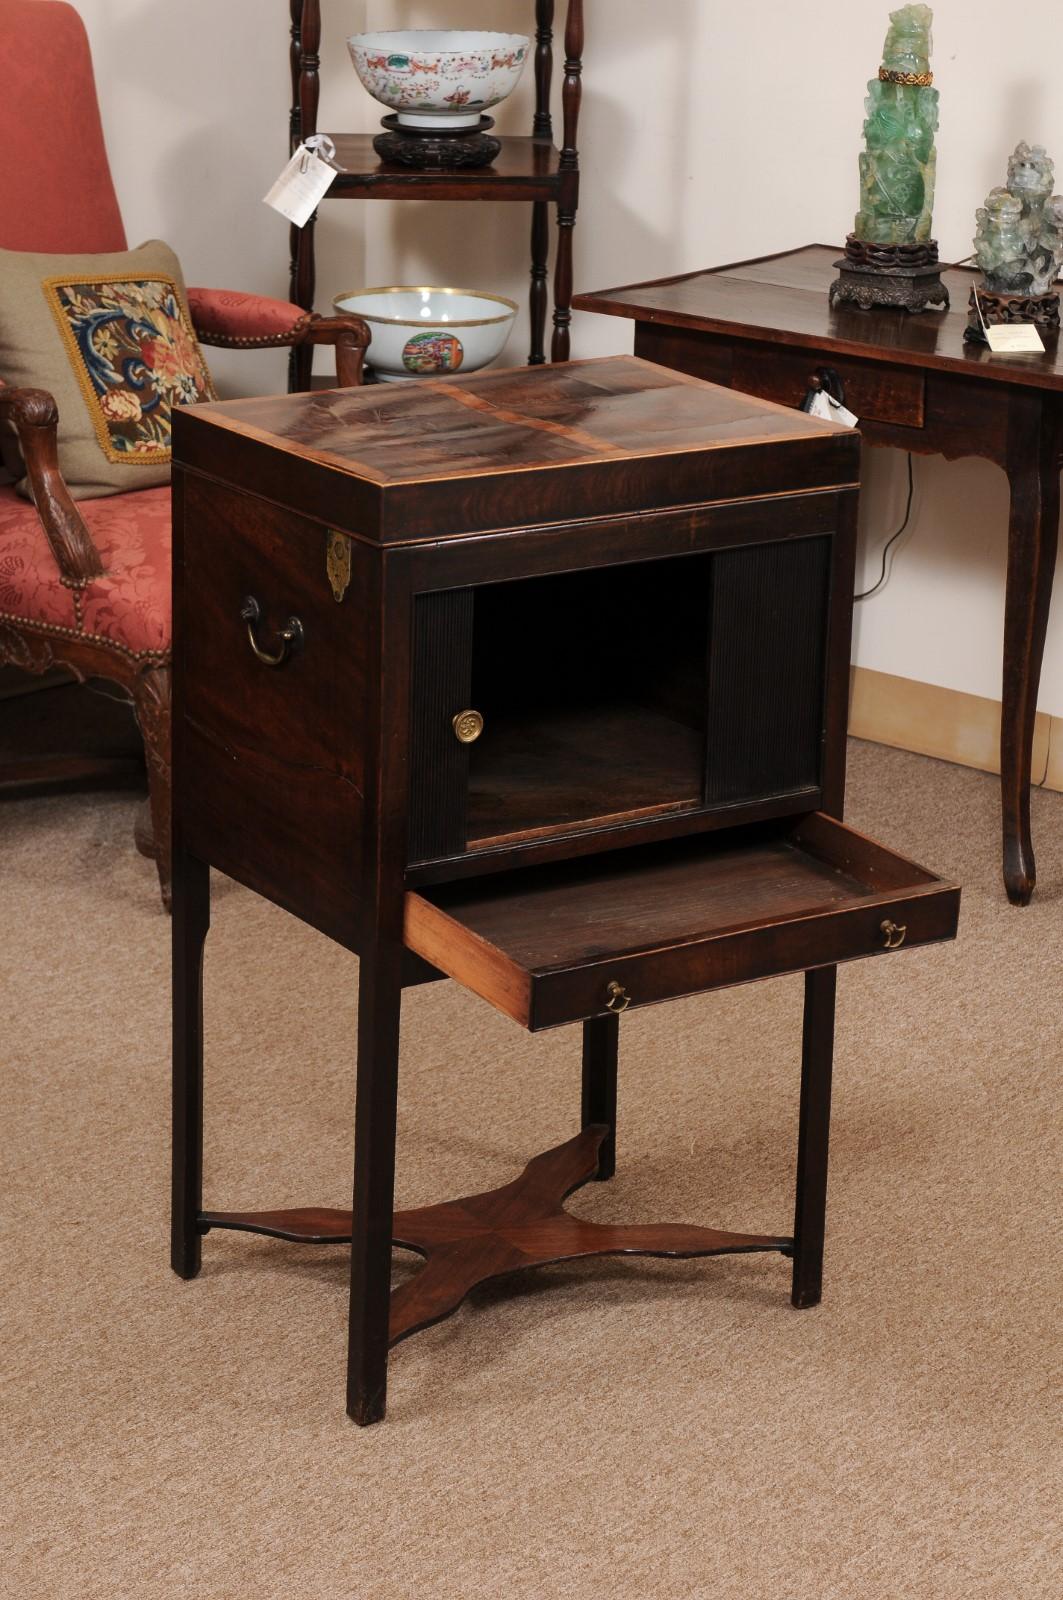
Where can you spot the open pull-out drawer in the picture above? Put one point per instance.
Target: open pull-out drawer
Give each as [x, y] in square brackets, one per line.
[560, 943]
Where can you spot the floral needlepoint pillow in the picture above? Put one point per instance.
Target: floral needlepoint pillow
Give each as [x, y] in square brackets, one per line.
[111, 337]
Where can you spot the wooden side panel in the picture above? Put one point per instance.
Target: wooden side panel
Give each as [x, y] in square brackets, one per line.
[767, 669]
[441, 686]
[271, 784]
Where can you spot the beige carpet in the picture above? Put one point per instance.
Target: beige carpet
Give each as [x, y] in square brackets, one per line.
[623, 1428]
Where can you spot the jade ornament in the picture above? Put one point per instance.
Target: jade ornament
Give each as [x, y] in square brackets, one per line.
[897, 167]
[1019, 239]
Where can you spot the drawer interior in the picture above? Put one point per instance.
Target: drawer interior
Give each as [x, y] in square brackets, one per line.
[545, 943]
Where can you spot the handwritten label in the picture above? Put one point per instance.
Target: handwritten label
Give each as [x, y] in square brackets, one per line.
[303, 183]
[1014, 338]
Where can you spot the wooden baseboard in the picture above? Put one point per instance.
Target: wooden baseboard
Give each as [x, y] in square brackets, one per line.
[945, 723]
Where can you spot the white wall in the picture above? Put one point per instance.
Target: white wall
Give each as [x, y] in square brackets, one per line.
[711, 131]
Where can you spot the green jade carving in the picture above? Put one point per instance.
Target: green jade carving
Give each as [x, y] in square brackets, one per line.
[898, 165]
[1019, 243]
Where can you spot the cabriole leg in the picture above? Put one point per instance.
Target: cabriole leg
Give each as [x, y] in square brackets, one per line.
[1033, 536]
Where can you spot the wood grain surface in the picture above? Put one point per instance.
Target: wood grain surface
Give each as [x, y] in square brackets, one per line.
[785, 296]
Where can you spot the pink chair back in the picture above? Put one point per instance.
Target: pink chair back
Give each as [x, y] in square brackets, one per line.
[56, 192]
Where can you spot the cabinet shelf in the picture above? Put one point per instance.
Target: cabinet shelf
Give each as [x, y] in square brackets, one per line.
[525, 169]
[581, 767]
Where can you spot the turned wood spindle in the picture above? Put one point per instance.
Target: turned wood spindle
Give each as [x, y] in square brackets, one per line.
[306, 58]
[571, 98]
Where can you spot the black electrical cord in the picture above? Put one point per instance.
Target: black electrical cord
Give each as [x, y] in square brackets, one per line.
[892, 540]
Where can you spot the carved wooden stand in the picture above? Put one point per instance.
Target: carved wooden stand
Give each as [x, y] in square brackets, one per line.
[524, 169]
[442, 150]
[997, 309]
[905, 276]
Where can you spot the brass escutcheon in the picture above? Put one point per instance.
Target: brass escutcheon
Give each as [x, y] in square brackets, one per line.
[616, 997]
[895, 935]
[338, 563]
[468, 726]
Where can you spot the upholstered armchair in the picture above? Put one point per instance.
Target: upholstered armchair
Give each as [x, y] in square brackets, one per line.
[85, 585]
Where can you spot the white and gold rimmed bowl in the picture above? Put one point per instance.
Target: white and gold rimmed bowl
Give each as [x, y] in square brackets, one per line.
[439, 78]
[426, 331]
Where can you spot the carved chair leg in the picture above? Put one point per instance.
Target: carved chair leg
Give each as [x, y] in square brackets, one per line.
[151, 700]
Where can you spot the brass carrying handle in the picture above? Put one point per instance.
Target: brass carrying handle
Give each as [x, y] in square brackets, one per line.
[616, 997]
[291, 636]
[895, 936]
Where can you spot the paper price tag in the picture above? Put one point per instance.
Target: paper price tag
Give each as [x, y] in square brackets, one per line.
[1014, 338]
[831, 410]
[303, 183]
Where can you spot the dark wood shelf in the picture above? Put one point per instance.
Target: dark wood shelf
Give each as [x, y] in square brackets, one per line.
[579, 767]
[524, 169]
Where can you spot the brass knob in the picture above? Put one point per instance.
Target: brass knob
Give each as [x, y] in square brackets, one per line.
[895, 936]
[616, 997]
[468, 726]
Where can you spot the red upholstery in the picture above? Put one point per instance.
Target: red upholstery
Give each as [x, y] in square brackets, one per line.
[232, 315]
[55, 184]
[129, 607]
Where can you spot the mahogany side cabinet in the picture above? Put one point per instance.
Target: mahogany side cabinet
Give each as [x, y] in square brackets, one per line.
[537, 680]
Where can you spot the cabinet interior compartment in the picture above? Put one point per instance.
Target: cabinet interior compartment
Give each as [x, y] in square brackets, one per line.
[619, 694]
[593, 688]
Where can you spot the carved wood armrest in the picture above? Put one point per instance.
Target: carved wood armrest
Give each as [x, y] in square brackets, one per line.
[350, 337]
[36, 420]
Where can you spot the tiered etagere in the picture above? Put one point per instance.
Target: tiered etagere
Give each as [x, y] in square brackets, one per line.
[529, 168]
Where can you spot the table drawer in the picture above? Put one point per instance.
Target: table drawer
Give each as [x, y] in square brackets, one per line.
[557, 944]
[873, 390]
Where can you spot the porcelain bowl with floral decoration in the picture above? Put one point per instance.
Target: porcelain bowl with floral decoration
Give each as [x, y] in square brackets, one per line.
[439, 78]
[420, 332]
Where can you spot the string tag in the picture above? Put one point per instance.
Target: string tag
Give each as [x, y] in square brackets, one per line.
[825, 406]
[305, 180]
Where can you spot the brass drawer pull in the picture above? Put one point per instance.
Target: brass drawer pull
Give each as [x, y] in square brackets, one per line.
[895, 936]
[617, 997]
[291, 635]
[468, 726]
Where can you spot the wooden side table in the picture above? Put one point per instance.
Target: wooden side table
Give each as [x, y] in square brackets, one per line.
[765, 327]
[538, 680]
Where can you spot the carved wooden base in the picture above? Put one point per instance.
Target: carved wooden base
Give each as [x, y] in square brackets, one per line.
[1040, 309]
[524, 1224]
[904, 276]
[445, 149]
